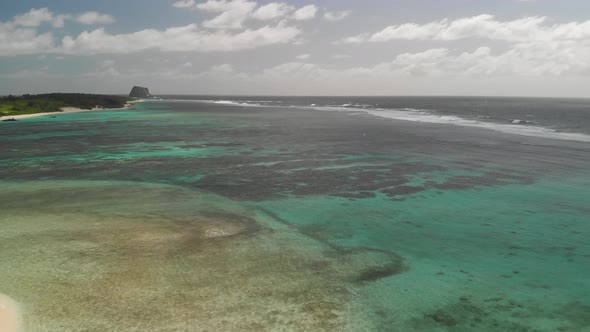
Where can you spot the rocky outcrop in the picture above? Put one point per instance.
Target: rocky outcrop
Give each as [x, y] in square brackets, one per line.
[139, 92]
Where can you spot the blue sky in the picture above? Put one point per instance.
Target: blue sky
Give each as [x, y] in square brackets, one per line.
[345, 47]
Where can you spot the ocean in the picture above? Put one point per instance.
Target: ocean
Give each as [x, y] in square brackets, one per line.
[216, 213]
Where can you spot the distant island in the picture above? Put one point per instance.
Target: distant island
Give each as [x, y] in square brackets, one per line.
[140, 92]
[57, 102]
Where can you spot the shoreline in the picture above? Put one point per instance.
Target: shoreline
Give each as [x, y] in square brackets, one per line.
[66, 110]
[9, 315]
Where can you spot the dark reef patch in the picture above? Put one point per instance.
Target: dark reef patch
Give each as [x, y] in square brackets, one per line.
[500, 314]
[402, 190]
[244, 156]
[485, 180]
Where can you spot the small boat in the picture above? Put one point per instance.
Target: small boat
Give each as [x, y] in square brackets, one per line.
[11, 119]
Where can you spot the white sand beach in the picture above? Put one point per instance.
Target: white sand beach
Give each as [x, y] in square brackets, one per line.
[9, 315]
[128, 105]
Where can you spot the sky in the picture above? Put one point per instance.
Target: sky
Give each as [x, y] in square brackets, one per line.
[305, 47]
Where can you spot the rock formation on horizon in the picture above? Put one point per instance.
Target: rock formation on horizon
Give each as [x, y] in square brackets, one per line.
[139, 92]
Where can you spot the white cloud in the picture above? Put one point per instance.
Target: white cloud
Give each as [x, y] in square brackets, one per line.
[337, 16]
[39, 16]
[533, 28]
[220, 70]
[90, 18]
[303, 56]
[36, 17]
[340, 56]
[273, 10]
[184, 4]
[526, 59]
[305, 13]
[292, 70]
[20, 35]
[358, 39]
[535, 47]
[18, 41]
[186, 38]
[232, 14]
[432, 65]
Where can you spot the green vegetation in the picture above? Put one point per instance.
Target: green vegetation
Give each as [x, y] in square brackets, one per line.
[53, 102]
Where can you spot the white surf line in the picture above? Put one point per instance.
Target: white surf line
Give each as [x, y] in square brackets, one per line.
[424, 116]
[514, 129]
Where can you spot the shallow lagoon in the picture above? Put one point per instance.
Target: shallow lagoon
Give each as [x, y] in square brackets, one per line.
[191, 216]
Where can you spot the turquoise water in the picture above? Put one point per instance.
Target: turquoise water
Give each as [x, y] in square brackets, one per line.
[515, 256]
[193, 217]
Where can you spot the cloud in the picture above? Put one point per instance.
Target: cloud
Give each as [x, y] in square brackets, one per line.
[273, 10]
[533, 28]
[340, 56]
[303, 56]
[480, 64]
[91, 18]
[224, 71]
[19, 41]
[184, 38]
[39, 16]
[358, 39]
[20, 35]
[232, 14]
[306, 13]
[535, 47]
[527, 59]
[292, 70]
[36, 17]
[184, 4]
[336, 16]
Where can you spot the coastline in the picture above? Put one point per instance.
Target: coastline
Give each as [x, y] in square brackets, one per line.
[65, 110]
[9, 315]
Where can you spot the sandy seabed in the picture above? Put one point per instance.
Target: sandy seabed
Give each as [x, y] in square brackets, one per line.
[115, 256]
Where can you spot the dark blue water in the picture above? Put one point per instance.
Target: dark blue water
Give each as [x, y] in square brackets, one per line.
[547, 115]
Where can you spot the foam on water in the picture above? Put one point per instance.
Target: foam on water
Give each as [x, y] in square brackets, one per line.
[219, 102]
[425, 116]
[515, 127]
